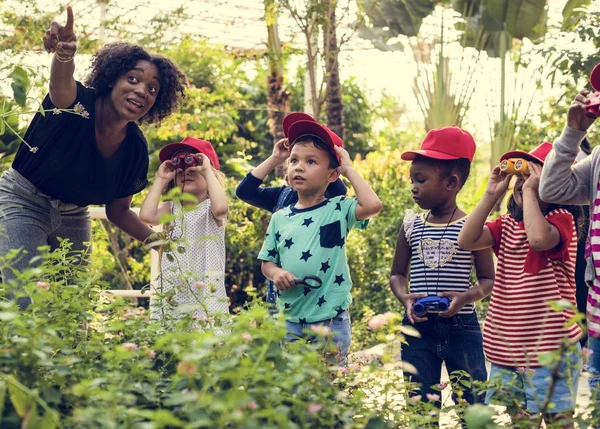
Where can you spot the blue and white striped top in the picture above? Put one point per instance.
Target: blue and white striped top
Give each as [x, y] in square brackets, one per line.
[437, 264]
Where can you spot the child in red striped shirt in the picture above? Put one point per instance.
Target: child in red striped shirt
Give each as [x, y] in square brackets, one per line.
[536, 247]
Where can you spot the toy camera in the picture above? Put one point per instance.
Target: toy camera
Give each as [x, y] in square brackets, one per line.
[184, 161]
[431, 304]
[514, 166]
[592, 110]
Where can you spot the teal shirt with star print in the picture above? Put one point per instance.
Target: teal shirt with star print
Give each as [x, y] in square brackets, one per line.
[312, 241]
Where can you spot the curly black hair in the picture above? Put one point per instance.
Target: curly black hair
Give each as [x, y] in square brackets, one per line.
[116, 59]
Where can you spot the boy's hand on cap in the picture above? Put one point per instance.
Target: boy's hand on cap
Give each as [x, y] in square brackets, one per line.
[576, 116]
[345, 162]
[283, 280]
[281, 152]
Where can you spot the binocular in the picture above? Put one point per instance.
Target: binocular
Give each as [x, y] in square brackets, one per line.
[185, 161]
[514, 166]
[431, 304]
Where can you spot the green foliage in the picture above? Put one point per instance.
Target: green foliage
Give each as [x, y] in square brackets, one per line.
[564, 53]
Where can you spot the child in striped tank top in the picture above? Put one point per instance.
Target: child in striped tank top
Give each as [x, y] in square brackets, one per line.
[567, 183]
[427, 253]
[536, 247]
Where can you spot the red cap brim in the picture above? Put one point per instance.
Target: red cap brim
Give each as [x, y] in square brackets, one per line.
[522, 155]
[169, 150]
[412, 154]
[310, 128]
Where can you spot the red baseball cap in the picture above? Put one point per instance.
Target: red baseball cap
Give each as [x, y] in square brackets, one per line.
[304, 128]
[445, 143]
[538, 153]
[595, 77]
[191, 144]
[294, 117]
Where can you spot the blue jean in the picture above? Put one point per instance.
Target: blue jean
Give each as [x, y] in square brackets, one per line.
[341, 329]
[594, 364]
[30, 219]
[455, 341]
[530, 387]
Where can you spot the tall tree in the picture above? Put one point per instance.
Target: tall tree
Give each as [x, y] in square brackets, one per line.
[278, 97]
[333, 95]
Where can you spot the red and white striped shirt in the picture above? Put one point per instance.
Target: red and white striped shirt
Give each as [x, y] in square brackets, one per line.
[520, 324]
[593, 300]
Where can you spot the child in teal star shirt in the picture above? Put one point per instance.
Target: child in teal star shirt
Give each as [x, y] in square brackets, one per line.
[309, 237]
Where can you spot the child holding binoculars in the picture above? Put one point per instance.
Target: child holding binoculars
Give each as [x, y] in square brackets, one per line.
[568, 183]
[536, 247]
[193, 260]
[440, 302]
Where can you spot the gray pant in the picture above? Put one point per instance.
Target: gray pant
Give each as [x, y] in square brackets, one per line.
[30, 219]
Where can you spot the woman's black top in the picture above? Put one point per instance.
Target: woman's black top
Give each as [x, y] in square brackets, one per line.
[66, 163]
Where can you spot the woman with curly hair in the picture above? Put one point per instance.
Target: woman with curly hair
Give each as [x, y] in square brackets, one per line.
[86, 149]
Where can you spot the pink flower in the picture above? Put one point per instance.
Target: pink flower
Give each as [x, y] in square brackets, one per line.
[252, 405]
[520, 415]
[130, 347]
[314, 408]
[246, 337]
[43, 285]
[587, 352]
[380, 320]
[199, 285]
[186, 368]
[442, 385]
[416, 398]
[150, 353]
[321, 330]
[431, 397]
[527, 372]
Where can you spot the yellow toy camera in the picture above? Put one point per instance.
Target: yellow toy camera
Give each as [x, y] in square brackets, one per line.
[514, 166]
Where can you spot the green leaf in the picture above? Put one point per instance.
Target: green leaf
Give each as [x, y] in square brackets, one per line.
[546, 358]
[572, 13]
[19, 85]
[2, 126]
[50, 420]
[19, 77]
[480, 417]
[561, 305]
[19, 399]
[409, 330]
[19, 94]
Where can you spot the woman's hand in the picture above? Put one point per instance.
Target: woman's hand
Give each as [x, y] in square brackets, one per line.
[498, 183]
[61, 40]
[576, 116]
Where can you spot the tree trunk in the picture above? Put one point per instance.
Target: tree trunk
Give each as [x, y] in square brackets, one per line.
[278, 101]
[333, 96]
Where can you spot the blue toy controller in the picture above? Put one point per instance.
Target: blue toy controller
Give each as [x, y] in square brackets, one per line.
[431, 304]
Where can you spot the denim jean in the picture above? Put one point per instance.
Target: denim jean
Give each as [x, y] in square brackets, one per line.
[30, 219]
[341, 329]
[594, 364]
[455, 341]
